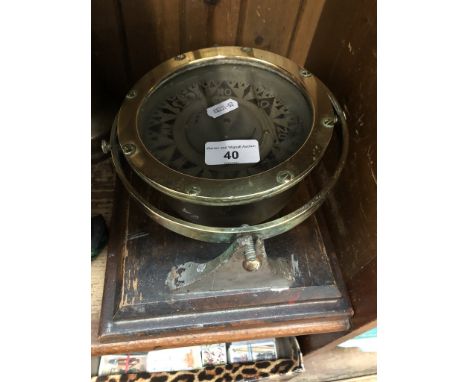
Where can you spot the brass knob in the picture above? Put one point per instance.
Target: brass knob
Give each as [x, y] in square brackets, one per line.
[251, 265]
[105, 146]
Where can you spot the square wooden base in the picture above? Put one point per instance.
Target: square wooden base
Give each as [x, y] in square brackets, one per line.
[298, 290]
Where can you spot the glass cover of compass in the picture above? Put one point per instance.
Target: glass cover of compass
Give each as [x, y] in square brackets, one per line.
[174, 122]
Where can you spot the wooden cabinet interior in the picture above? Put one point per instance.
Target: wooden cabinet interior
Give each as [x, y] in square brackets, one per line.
[334, 39]
[344, 55]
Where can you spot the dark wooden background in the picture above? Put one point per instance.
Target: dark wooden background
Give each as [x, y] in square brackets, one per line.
[344, 56]
[130, 37]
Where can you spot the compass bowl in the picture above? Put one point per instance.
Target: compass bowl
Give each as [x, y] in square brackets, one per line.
[209, 99]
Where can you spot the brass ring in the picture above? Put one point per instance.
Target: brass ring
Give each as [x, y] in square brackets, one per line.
[234, 191]
[229, 234]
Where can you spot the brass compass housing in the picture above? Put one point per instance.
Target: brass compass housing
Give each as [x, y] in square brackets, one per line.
[163, 125]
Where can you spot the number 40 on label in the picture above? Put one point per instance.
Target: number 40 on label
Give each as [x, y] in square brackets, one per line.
[233, 155]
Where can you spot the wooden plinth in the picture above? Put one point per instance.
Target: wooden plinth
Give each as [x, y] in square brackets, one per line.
[298, 291]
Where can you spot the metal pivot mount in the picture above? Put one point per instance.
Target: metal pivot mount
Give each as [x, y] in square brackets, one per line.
[190, 272]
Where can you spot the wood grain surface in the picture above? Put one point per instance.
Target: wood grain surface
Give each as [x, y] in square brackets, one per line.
[108, 48]
[132, 37]
[221, 335]
[343, 55]
[269, 24]
[304, 32]
[102, 193]
[339, 364]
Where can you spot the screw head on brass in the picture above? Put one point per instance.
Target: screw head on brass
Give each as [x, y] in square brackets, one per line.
[193, 190]
[105, 146]
[131, 94]
[284, 176]
[179, 57]
[305, 73]
[251, 265]
[128, 148]
[330, 121]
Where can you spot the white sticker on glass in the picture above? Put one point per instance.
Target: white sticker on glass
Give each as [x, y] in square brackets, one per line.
[222, 108]
[232, 152]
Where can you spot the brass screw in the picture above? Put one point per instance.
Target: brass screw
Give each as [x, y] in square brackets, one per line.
[105, 146]
[330, 121]
[305, 73]
[179, 57]
[251, 265]
[131, 94]
[193, 190]
[284, 176]
[128, 148]
[251, 262]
